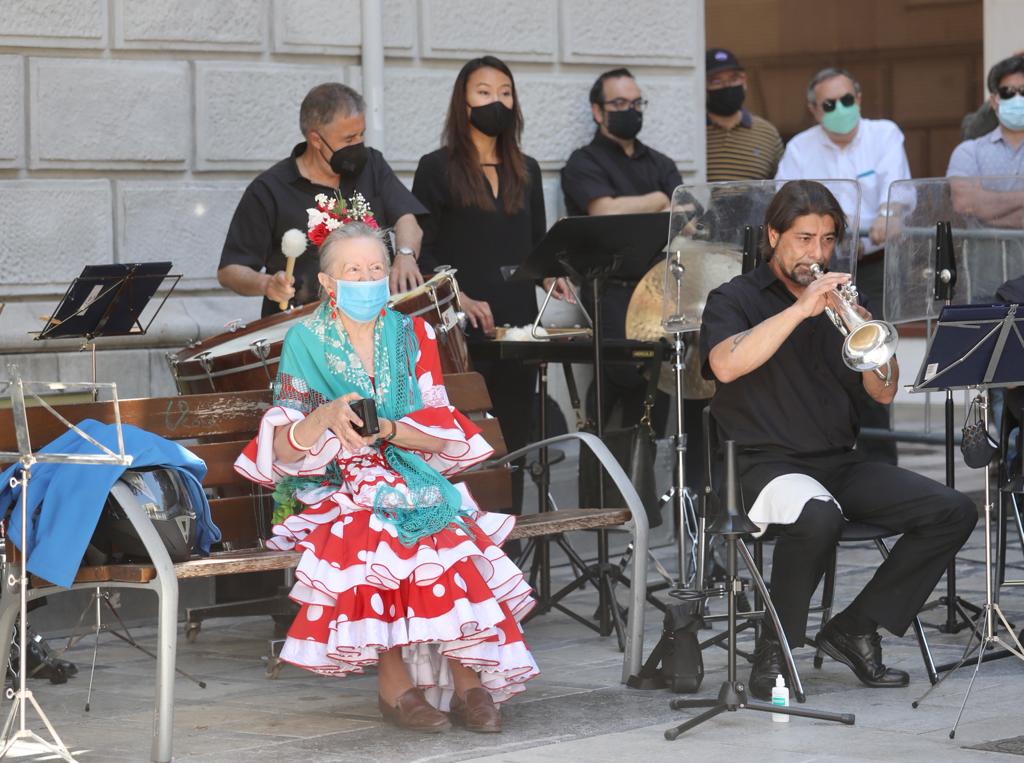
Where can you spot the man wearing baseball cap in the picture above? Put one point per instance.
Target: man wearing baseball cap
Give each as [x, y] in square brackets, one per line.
[741, 146]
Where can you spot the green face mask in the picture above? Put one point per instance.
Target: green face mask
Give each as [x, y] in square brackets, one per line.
[842, 119]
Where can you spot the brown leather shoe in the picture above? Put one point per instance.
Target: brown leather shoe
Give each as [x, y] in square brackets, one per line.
[415, 713]
[477, 712]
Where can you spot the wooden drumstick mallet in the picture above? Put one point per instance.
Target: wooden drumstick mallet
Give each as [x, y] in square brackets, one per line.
[293, 243]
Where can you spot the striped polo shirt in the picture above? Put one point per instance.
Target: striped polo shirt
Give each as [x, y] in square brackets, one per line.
[749, 151]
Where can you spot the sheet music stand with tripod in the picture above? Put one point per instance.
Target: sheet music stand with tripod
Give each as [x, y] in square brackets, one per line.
[591, 250]
[15, 730]
[977, 347]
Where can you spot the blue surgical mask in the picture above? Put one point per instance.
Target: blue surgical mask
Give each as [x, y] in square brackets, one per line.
[362, 300]
[842, 119]
[1011, 113]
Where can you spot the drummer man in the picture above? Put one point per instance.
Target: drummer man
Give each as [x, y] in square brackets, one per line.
[333, 160]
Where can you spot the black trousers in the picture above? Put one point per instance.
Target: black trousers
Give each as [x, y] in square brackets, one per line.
[935, 522]
[511, 386]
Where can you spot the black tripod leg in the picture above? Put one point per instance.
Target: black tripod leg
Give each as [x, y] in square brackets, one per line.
[801, 712]
[613, 604]
[682, 728]
[769, 608]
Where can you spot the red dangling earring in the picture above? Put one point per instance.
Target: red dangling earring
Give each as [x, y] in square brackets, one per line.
[333, 303]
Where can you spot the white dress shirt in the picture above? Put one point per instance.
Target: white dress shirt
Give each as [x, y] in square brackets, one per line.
[875, 158]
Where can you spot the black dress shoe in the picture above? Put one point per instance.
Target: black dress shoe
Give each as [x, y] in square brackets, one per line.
[863, 655]
[768, 663]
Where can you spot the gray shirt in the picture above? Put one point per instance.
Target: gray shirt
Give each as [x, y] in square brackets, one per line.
[986, 156]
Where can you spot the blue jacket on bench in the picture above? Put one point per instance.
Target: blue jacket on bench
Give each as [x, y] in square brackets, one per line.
[65, 500]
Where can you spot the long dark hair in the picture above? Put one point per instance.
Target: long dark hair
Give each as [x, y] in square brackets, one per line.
[796, 199]
[469, 186]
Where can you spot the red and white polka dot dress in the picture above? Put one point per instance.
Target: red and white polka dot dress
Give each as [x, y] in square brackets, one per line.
[452, 594]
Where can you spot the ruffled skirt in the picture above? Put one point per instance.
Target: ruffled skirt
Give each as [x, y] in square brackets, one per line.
[454, 594]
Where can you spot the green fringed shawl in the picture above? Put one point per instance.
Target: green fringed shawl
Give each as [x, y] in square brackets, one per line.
[318, 357]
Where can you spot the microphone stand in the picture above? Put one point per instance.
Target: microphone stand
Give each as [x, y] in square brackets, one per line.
[945, 285]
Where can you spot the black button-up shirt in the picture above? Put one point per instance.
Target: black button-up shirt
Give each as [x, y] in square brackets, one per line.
[602, 168]
[801, 400]
[278, 199]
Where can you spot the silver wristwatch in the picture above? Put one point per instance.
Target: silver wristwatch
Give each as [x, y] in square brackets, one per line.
[406, 250]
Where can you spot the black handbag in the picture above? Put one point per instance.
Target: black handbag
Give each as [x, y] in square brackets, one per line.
[977, 445]
[635, 449]
[676, 662]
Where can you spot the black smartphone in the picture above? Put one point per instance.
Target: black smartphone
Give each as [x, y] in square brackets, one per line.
[366, 409]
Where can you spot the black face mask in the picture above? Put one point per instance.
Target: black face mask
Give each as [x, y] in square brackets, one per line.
[493, 119]
[726, 101]
[624, 124]
[347, 162]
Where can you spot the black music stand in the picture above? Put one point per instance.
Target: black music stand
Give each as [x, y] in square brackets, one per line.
[978, 347]
[108, 300]
[590, 250]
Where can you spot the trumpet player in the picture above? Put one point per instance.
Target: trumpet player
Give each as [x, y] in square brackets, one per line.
[786, 396]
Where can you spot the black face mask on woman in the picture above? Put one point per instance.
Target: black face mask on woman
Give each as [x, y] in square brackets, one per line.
[347, 162]
[493, 119]
[625, 124]
[726, 101]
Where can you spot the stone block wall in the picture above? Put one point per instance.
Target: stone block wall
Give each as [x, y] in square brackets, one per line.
[128, 129]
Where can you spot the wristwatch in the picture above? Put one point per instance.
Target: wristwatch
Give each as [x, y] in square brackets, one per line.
[406, 250]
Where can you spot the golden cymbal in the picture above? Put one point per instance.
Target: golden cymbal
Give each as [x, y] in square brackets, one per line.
[704, 267]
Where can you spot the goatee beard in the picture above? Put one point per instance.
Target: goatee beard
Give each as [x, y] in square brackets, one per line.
[801, 277]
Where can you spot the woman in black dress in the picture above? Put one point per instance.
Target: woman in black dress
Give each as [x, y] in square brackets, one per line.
[486, 211]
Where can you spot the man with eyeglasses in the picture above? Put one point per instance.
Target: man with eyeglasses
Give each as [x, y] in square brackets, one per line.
[618, 174]
[999, 152]
[332, 160]
[844, 145]
[741, 145]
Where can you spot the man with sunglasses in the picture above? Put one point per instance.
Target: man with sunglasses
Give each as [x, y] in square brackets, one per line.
[335, 161]
[999, 152]
[845, 145]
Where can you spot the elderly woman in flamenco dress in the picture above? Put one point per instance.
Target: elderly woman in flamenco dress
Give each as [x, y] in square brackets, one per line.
[399, 568]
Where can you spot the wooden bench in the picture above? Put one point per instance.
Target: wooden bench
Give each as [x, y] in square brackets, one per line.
[216, 427]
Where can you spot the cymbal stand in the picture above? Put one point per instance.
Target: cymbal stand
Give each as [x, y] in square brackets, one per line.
[985, 633]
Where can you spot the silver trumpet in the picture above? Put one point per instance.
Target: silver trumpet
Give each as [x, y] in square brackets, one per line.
[869, 345]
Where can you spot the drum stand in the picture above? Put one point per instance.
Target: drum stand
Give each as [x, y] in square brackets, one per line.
[102, 596]
[986, 628]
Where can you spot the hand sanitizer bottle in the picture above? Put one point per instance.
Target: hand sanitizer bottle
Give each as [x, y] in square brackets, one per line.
[780, 698]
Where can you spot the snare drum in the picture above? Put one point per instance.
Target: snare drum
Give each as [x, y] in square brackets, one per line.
[437, 302]
[244, 357]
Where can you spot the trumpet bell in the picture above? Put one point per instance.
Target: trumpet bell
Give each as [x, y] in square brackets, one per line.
[870, 346]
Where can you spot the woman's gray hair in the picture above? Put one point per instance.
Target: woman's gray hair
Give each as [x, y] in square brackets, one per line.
[826, 74]
[348, 232]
